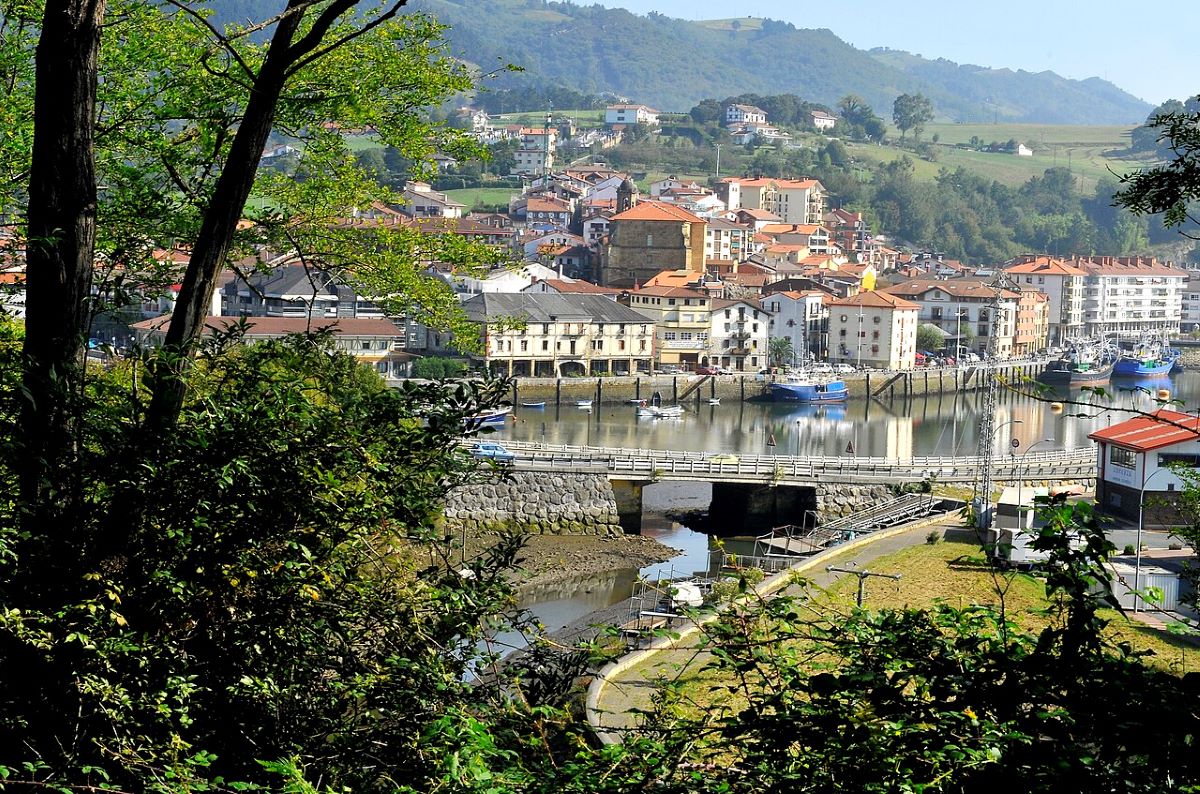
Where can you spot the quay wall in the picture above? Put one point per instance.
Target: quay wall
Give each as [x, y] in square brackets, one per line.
[536, 503]
[734, 388]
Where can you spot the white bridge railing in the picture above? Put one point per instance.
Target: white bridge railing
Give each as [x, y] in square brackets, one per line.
[678, 464]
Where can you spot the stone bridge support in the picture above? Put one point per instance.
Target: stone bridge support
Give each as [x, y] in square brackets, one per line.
[628, 495]
[751, 509]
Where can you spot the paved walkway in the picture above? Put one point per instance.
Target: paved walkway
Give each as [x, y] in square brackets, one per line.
[633, 689]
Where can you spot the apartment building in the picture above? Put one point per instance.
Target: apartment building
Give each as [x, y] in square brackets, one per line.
[682, 319]
[873, 329]
[535, 153]
[802, 317]
[1063, 284]
[738, 335]
[791, 200]
[1189, 315]
[969, 311]
[1131, 296]
[560, 335]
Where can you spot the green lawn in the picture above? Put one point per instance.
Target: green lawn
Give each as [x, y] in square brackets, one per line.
[584, 118]
[483, 196]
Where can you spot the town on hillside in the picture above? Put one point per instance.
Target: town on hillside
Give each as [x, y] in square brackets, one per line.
[742, 274]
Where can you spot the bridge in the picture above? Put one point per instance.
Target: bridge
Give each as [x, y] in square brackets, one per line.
[658, 465]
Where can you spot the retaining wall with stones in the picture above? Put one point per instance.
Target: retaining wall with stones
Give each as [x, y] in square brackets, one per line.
[836, 501]
[535, 502]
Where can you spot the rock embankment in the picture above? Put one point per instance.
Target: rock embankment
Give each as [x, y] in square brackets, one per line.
[836, 501]
[536, 503]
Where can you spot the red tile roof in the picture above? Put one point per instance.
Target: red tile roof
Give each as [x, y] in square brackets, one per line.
[1144, 433]
[878, 300]
[657, 211]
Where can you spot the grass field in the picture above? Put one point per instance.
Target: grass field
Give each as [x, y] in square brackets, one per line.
[483, 196]
[952, 572]
[584, 118]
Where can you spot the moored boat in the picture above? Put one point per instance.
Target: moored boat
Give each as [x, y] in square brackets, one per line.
[1083, 364]
[807, 387]
[495, 416]
[583, 403]
[1148, 358]
[536, 404]
[655, 412]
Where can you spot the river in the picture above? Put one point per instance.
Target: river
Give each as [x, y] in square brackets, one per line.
[937, 425]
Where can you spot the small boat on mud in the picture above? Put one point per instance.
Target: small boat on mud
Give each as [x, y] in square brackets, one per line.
[655, 412]
[538, 404]
[583, 403]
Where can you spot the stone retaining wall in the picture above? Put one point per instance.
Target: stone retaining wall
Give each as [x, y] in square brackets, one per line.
[836, 501]
[535, 502]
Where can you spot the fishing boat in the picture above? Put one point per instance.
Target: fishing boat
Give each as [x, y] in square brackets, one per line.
[809, 387]
[1085, 363]
[1148, 358]
[583, 403]
[536, 404]
[655, 412]
[495, 416]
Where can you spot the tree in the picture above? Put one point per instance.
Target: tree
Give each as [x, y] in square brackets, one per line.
[912, 112]
[930, 337]
[208, 571]
[1171, 189]
[781, 352]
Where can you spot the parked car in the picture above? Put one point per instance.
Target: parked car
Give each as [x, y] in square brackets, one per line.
[724, 371]
[490, 450]
[823, 368]
[669, 369]
[708, 371]
[843, 369]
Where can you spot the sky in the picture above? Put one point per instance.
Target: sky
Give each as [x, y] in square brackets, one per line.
[1146, 49]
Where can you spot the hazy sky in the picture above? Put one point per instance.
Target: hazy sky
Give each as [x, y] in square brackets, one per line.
[1150, 50]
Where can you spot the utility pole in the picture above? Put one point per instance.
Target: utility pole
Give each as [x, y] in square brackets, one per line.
[862, 578]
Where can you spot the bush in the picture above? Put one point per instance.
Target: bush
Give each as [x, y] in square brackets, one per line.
[438, 368]
[1129, 550]
[933, 537]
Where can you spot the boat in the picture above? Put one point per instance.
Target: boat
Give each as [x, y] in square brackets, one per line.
[809, 387]
[714, 400]
[583, 403]
[1085, 363]
[637, 401]
[1148, 358]
[655, 412]
[496, 416]
[537, 404]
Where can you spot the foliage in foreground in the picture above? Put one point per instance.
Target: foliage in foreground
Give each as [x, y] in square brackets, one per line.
[943, 699]
[236, 592]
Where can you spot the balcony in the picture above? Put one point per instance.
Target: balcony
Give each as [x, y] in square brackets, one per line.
[685, 344]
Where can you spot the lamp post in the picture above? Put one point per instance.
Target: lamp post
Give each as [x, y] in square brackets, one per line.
[1021, 474]
[718, 145]
[1137, 565]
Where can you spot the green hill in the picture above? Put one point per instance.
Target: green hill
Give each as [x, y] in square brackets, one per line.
[672, 64]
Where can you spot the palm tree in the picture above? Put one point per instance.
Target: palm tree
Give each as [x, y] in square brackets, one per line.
[780, 351]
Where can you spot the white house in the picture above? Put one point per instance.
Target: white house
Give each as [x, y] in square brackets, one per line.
[823, 121]
[738, 115]
[1024, 151]
[422, 201]
[738, 337]
[1133, 460]
[800, 316]
[630, 114]
[873, 329]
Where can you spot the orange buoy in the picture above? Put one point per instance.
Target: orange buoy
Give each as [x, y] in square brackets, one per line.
[1164, 394]
[1056, 407]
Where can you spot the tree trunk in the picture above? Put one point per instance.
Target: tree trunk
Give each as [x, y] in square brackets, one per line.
[59, 251]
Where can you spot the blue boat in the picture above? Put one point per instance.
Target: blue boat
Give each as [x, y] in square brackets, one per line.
[537, 404]
[497, 416]
[1147, 359]
[807, 388]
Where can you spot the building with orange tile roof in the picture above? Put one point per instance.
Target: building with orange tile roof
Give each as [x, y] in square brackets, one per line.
[792, 200]
[873, 329]
[649, 237]
[681, 318]
[1063, 285]
[1133, 464]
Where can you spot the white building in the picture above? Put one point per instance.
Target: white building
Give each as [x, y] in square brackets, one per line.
[800, 317]
[1129, 296]
[739, 115]
[738, 338]
[873, 329]
[1189, 316]
[420, 200]
[823, 121]
[630, 114]
[1063, 284]
[535, 154]
[1133, 460]
[966, 309]
[727, 241]
[792, 200]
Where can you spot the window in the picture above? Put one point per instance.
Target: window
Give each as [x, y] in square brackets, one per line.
[875, 319]
[844, 318]
[685, 336]
[669, 336]
[702, 336]
[727, 317]
[545, 345]
[524, 345]
[1176, 459]
[874, 334]
[1119, 456]
[670, 301]
[842, 332]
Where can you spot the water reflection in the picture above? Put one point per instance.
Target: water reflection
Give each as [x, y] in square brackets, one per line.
[945, 424]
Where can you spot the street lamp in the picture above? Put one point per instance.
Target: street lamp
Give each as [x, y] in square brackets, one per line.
[1137, 565]
[1021, 473]
[718, 145]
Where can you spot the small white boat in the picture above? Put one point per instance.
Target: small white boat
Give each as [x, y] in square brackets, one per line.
[583, 403]
[538, 404]
[714, 400]
[497, 416]
[637, 401]
[654, 412]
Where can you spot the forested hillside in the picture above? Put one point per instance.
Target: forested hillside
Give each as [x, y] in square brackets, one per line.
[674, 63]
